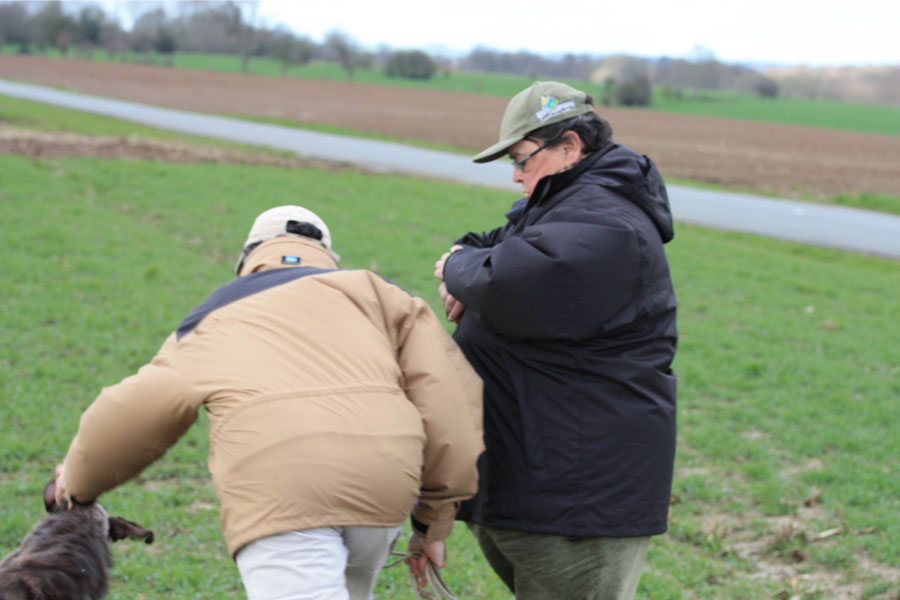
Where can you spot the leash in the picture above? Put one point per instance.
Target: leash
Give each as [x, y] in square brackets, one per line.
[438, 591]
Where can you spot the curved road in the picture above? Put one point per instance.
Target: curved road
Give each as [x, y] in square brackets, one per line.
[857, 230]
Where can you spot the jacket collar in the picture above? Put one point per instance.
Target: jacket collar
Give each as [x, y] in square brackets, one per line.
[287, 251]
[551, 184]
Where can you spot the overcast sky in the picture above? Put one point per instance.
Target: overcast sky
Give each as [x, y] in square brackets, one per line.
[812, 32]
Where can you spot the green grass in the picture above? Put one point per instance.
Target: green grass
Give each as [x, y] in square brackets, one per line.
[788, 368]
[865, 118]
[829, 114]
[878, 202]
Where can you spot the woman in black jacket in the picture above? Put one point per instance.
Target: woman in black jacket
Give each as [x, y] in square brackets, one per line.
[567, 312]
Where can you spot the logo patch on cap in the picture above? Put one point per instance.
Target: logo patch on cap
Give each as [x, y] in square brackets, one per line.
[290, 260]
[551, 107]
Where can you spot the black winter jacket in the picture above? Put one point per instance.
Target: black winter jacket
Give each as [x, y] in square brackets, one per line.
[570, 322]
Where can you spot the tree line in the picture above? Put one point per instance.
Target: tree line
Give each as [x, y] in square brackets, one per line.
[79, 28]
[229, 26]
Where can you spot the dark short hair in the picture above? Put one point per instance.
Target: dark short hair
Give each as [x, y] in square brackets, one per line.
[594, 131]
[305, 229]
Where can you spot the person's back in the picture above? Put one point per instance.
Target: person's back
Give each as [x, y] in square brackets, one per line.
[332, 397]
[307, 401]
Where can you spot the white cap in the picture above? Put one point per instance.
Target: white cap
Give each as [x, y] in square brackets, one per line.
[274, 222]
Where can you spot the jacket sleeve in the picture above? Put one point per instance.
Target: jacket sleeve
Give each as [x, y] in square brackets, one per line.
[485, 239]
[128, 426]
[559, 280]
[447, 393]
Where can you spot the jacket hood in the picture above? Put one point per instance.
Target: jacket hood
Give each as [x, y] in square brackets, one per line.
[287, 251]
[625, 172]
[637, 178]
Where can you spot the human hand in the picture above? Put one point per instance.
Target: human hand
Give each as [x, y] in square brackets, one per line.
[62, 494]
[433, 552]
[453, 307]
[439, 265]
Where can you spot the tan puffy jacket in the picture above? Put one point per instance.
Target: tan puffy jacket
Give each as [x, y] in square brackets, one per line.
[334, 398]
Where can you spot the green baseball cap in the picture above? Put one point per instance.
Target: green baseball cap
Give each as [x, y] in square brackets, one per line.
[544, 103]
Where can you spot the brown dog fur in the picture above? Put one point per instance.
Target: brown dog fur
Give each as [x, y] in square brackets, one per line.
[66, 556]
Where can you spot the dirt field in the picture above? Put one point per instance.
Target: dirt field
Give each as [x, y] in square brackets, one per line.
[45, 144]
[788, 160]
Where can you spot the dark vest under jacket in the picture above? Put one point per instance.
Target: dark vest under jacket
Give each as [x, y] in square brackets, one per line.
[570, 322]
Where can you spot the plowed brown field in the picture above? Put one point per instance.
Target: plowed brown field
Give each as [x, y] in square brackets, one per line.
[782, 159]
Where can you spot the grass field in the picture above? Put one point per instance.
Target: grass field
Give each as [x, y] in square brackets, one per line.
[865, 118]
[789, 369]
[815, 113]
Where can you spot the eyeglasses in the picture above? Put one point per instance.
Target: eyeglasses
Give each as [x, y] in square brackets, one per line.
[519, 165]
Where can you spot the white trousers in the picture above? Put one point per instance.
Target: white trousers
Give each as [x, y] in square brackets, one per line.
[328, 563]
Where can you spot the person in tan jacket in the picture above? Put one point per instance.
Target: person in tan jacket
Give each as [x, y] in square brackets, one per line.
[338, 407]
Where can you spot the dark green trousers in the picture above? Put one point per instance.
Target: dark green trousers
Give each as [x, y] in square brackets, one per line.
[539, 566]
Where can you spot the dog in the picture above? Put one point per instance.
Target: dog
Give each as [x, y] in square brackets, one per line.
[66, 556]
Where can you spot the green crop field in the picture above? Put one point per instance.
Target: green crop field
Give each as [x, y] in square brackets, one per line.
[794, 111]
[830, 114]
[789, 370]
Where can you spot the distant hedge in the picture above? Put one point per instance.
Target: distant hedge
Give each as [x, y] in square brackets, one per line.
[411, 64]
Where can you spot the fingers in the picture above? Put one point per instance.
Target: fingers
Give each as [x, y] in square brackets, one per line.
[453, 307]
[418, 558]
[456, 311]
[439, 266]
[417, 566]
[436, 552]
[62, 494]
[446, 298]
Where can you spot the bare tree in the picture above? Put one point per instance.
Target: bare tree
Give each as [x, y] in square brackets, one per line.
[14, 24]
[53, 27]
[114, 39]
[91, 19]
[165, 44]
[146, 29]
[282, 48]
[344, 50]
[304, 48]
[246, 29]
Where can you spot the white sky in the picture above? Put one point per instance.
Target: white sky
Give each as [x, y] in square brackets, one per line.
[812, 32]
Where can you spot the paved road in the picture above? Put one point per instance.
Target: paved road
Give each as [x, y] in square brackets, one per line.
[837, 227]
